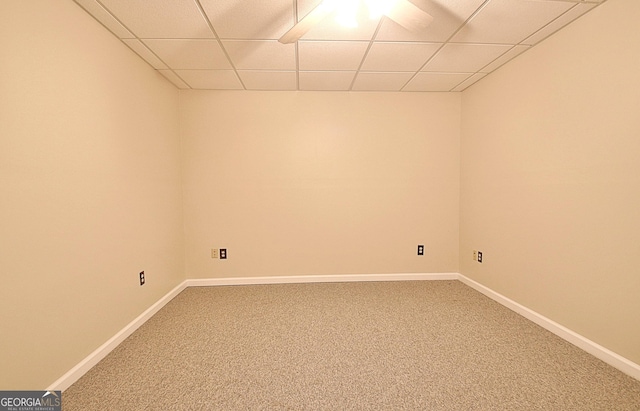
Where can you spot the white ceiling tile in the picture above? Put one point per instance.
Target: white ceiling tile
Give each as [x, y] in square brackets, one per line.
[326, 80]
[145, 53]
[381, 81]
[189, 54]
[178, 38]
[268, 80]
[171, 76]
[261, 54]
[211, 79]
[166, 19]
[463, 58]
[331, 55]
[470, 81]
[511, 54]
[448, 16]
[249, 19]
[103, 16]
[560, 22]
[398, 56]
[510, 21]
[436, 81]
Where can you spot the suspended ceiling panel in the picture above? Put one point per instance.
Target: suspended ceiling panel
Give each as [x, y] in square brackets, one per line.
[233, 44]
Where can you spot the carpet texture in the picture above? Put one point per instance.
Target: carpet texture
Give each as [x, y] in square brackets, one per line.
[428, 345]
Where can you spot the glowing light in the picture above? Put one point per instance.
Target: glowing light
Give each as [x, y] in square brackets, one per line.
[347, 10]
[379, 8]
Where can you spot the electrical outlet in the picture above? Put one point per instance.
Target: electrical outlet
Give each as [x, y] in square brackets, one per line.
[479, 256]
[223, 253]
[475, 255]
[141, 277]
[214, 253]
[420, 249]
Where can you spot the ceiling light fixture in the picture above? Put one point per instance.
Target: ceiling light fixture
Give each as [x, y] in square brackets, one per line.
[403, 12]
[379, 8]
[346, 13]
[347, 10]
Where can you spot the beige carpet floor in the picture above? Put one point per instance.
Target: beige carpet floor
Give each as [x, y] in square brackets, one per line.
[432, 345]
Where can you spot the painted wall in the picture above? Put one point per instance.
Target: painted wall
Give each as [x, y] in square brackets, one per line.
[543, 176]
[90, 189]
[320, 183]
[550, 180]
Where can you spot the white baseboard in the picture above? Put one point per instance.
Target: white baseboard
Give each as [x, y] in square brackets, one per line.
[598, 351]
[92, 359]
[615, 360]
[337, 278]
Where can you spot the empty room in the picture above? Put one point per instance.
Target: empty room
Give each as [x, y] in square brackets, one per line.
[305, 204]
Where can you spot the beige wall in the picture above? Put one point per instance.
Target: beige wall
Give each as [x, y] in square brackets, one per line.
[89, 189]
[550, 181]
[320, 183]
[308, 183]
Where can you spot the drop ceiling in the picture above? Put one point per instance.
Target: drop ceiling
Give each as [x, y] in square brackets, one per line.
[233, 44]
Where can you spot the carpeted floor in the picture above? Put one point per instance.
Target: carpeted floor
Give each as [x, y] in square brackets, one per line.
[430, 345]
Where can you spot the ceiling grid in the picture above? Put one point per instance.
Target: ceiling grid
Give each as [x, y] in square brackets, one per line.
[233, 44]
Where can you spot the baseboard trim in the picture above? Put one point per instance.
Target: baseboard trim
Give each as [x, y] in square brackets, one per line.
[336, 278]
[615, 360]
[74, 374]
